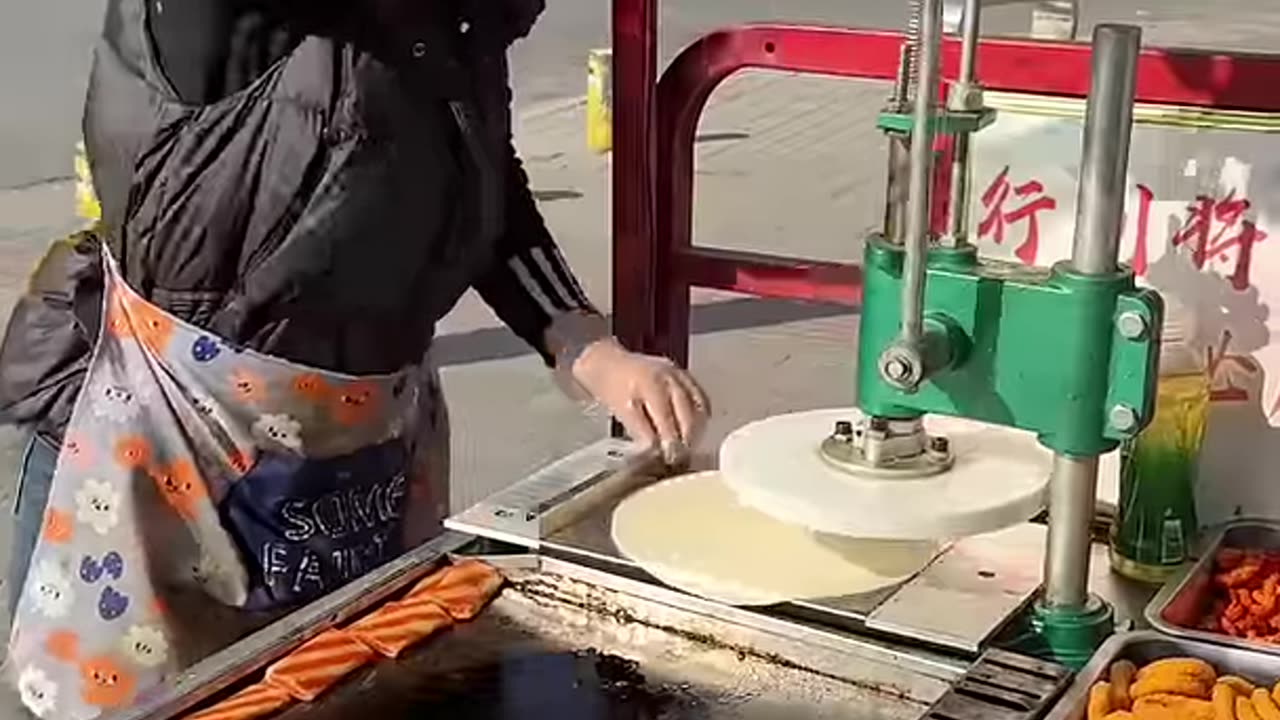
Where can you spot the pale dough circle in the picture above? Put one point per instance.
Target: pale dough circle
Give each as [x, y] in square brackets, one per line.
[692, 533]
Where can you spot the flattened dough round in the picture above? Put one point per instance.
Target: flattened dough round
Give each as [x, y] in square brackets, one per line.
[691, 532]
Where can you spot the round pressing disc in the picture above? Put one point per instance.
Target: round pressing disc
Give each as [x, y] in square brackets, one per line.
[999, 479]
[691, 533]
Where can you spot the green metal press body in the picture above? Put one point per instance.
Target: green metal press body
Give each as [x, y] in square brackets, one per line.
[1068, 356]
[1069, 352]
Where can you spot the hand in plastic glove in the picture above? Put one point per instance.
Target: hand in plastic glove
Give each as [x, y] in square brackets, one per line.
[657, 402]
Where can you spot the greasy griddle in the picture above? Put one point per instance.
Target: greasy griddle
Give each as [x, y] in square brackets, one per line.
[555, 646]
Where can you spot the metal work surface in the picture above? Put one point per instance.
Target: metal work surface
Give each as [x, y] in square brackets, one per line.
[566, 510]
[1183, 602]
[1143, 647]
[555, 633]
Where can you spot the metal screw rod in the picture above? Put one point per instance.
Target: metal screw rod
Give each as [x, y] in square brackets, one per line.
[917, 235]
[958, 219]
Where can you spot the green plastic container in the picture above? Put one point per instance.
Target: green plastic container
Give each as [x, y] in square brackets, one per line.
[1155, 525]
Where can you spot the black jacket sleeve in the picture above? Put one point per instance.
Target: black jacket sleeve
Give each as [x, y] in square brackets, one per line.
[529, 281]
[46, 348]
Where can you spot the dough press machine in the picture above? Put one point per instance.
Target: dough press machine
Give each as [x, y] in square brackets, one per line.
[986, 391]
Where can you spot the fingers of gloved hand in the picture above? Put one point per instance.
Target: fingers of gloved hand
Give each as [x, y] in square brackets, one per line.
[688, 416]
[657, 400]
[696, 393]
[633, 417]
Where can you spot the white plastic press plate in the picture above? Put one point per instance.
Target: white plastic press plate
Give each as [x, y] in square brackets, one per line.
[999, 479]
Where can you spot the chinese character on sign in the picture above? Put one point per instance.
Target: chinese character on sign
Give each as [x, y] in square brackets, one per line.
[1216, 227]
[1033, 200]
[1140, 255]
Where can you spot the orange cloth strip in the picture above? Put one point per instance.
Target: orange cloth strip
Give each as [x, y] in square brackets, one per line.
[462, 590]
[319, 663]
[456, 592]
[397, 626]
[254, 701]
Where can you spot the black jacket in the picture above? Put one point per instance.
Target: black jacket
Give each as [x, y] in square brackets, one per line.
[317, 179]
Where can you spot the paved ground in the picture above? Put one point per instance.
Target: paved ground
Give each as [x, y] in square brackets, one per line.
[794, 167]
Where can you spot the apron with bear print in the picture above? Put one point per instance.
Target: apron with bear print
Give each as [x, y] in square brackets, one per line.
[201, 490]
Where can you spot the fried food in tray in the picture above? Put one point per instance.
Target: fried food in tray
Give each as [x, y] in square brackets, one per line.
[1179, 688]
[1246, 595]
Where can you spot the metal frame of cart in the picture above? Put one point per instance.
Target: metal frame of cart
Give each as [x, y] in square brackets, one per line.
[655, 263]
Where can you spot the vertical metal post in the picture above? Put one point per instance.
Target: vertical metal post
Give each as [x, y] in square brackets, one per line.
[970, 27]
[921, 176]
[635, 301]
[1099, 217]
[1104, 165]
[1072, 498]
[964, 96]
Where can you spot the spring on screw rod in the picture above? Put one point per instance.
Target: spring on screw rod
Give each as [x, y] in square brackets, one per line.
[909, 71]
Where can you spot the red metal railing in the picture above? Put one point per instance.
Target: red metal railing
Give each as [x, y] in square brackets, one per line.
[655, 121]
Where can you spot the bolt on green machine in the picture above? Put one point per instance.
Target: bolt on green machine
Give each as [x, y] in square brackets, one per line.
[1067, 352]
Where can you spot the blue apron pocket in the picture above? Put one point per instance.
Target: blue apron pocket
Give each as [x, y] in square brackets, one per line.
[307, 526]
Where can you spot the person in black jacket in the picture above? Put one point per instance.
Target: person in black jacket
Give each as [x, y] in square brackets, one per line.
[318, 180]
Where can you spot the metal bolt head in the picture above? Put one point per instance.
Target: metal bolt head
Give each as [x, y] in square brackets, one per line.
[901, 367]
[965, 97]
[1124, 418]
[1131, 325]
[844, 429]
[940, 445]
[897, 369]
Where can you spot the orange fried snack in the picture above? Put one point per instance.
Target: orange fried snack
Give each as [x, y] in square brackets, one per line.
[396, 626]
[1161, 706]
[462, 589]
[1246, 604]
[254, 701]
[318, 664]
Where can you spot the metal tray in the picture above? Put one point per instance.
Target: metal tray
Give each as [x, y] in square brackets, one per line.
[1183, 601]
[1143, 647]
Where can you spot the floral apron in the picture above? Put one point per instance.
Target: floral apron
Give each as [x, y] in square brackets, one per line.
[201, 490]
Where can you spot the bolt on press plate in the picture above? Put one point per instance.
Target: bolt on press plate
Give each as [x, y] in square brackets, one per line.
[880, 447]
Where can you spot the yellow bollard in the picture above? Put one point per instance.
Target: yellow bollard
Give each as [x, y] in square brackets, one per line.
[600, 100]
[87, 206]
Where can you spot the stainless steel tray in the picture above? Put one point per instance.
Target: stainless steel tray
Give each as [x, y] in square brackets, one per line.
[1183, 601]
[1143, 647]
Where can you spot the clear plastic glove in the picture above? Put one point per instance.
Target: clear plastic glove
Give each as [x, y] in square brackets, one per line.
[658, 403]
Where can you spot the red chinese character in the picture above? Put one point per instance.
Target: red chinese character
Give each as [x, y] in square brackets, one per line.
[993, 224]
[1140, 257]
[1233, 231]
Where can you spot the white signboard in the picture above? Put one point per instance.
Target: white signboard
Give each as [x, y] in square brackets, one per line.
[1202, 224]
